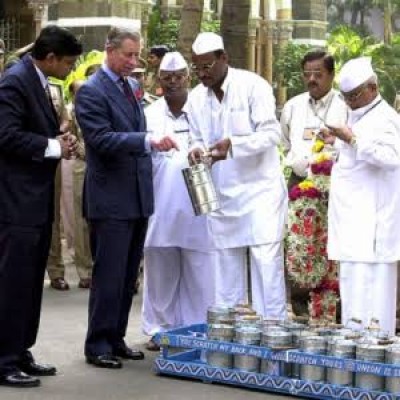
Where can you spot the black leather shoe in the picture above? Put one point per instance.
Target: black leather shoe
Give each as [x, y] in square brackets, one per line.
[129, 354]
[33, 368]
[104, 361]
[19, 379]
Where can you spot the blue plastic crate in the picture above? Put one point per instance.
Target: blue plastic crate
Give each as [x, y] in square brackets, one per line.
[189, 362]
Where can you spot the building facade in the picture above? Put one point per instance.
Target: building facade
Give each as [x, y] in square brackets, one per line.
[21, 20]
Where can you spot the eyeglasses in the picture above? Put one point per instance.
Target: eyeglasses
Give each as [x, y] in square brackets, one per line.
[167, 78]
[353, 96]
[307, 74]
[205, 67]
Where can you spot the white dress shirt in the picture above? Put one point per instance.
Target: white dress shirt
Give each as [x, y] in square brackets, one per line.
[303, 114]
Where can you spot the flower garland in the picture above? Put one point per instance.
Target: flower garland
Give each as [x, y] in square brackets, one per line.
[305, 262]
[306, 256]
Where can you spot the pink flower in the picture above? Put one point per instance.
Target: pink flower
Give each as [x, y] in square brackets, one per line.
[322, 168]
[295, 193]
[312, 193]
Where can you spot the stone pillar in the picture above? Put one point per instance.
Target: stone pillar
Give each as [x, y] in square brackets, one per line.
[91, 20]
[259, 49]
[268, 31]
[40, 12]
[207, 12]
[310, 21]
[255, 9]
[284, 30]
[220, 3]
[251, 61]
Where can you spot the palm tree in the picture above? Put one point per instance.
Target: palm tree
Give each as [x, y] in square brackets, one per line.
[191, 16]
[235, 30]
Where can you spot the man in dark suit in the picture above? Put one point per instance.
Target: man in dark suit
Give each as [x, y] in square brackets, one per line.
[31, 145]
[118, 194]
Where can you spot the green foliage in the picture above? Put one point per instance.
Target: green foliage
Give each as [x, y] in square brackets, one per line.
[211, 26]
[288, 64]
[94, 57]
[166, 32]
[344, 44]
[162, 32]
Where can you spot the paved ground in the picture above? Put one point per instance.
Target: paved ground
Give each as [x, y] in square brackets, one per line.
[60, 342]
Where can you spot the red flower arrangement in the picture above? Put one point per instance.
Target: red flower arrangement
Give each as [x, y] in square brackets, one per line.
[322, 168]
[306, 255]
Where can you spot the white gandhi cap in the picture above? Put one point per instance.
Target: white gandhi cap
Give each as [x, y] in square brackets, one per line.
[207, 42]
[173, 61]
[354, 73]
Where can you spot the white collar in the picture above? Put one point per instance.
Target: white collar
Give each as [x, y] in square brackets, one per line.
[323, 100]
[359, 112]
[42, 76]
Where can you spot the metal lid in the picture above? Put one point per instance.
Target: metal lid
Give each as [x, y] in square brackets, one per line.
[248, 329]
[370, 352]
[221, 309]
[221, 330]
[248, 334]
[293, 326]
[277, 333]
[313, 342]
[393, 348]
[342, 346]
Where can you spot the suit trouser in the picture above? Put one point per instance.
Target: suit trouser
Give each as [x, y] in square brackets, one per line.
[83, 258]
[178, 287]
[267, 278]
[23, 257]
[55, 263]
[117, 247]
[368, 290]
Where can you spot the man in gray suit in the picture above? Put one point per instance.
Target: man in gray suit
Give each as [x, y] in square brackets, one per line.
[118, 194]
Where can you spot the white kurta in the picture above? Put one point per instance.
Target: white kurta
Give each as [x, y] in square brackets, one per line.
[364, 202]
[179, 262]
[364, 215]
[173, 223]
[368, 290]
[250, 186]
[302, 113]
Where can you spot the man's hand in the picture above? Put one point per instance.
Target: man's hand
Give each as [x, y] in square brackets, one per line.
[68, 145]
[219, 151]
[165, 143]
[196, 155]
[343, 133]
[326, 135]
[73, 144]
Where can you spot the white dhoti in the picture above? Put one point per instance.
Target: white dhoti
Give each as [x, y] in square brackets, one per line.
[267, 278]
[178, 287]
[368, 290]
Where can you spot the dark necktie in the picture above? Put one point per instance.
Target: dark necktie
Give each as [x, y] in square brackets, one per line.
[128, 92]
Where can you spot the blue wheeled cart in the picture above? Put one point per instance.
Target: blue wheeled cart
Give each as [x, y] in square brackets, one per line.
[183, 354]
